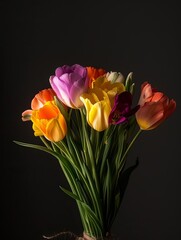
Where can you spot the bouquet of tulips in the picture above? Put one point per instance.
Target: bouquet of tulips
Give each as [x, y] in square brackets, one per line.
[87, 122]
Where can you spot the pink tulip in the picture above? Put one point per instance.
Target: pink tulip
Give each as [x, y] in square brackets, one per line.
[69, 83]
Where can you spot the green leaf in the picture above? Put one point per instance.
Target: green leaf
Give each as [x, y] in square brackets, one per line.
[122, 185]
[88, 211]
[38, 147]
[104, 157]
[108, 187]
[72, 195]
[62, 108]
[124, 178]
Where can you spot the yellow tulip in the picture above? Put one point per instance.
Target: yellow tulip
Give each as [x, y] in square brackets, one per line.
[111, 88]
[98, 108]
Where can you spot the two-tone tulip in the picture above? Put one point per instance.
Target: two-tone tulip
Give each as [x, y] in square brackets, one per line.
[155, 107]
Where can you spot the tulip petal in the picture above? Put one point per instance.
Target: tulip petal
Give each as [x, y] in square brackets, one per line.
[97, 108]
[121, 109]
[42, 97]
[149, 116]
[158, 96]
[61, 89]
[26, 115]
[69, 83]
[56, 129]
[146, 93]
[81, 71]
[49, 121]
[171, 108]
[98, 115]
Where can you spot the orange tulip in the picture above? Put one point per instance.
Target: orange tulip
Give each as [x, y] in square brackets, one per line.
[38, 101]
[155, 107]
[42, 97]
[94, 73]
[49, 122]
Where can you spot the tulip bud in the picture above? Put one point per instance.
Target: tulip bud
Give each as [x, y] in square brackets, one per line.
[115, 77]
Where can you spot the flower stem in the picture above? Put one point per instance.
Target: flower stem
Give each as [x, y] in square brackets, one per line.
[127, 150]
[45, 142]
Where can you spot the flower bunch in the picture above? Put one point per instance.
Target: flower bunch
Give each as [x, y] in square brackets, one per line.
[87, 121]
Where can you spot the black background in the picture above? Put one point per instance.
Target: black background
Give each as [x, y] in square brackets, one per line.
[37, 37]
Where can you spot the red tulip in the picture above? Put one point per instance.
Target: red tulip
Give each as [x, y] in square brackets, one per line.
[155, 107]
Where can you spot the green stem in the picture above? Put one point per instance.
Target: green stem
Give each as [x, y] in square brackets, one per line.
[88, 149]
[45, 142]
[74, 189]
[127, 150]
[90, 163]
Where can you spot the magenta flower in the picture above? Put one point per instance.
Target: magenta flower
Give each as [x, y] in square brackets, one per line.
[122, 108]
[69, 83]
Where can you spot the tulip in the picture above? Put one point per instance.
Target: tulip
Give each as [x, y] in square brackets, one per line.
[109, 87]
[155, 107]
[69, 83]
[26, 115]
[121, 110]
[147, 91]
[98, 107]
[115, 77]
[49, 122]
[99, 100]
[38, 101]
[94, 73]
[42, 97]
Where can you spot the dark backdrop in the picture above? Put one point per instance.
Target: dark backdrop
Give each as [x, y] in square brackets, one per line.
[38, 36]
